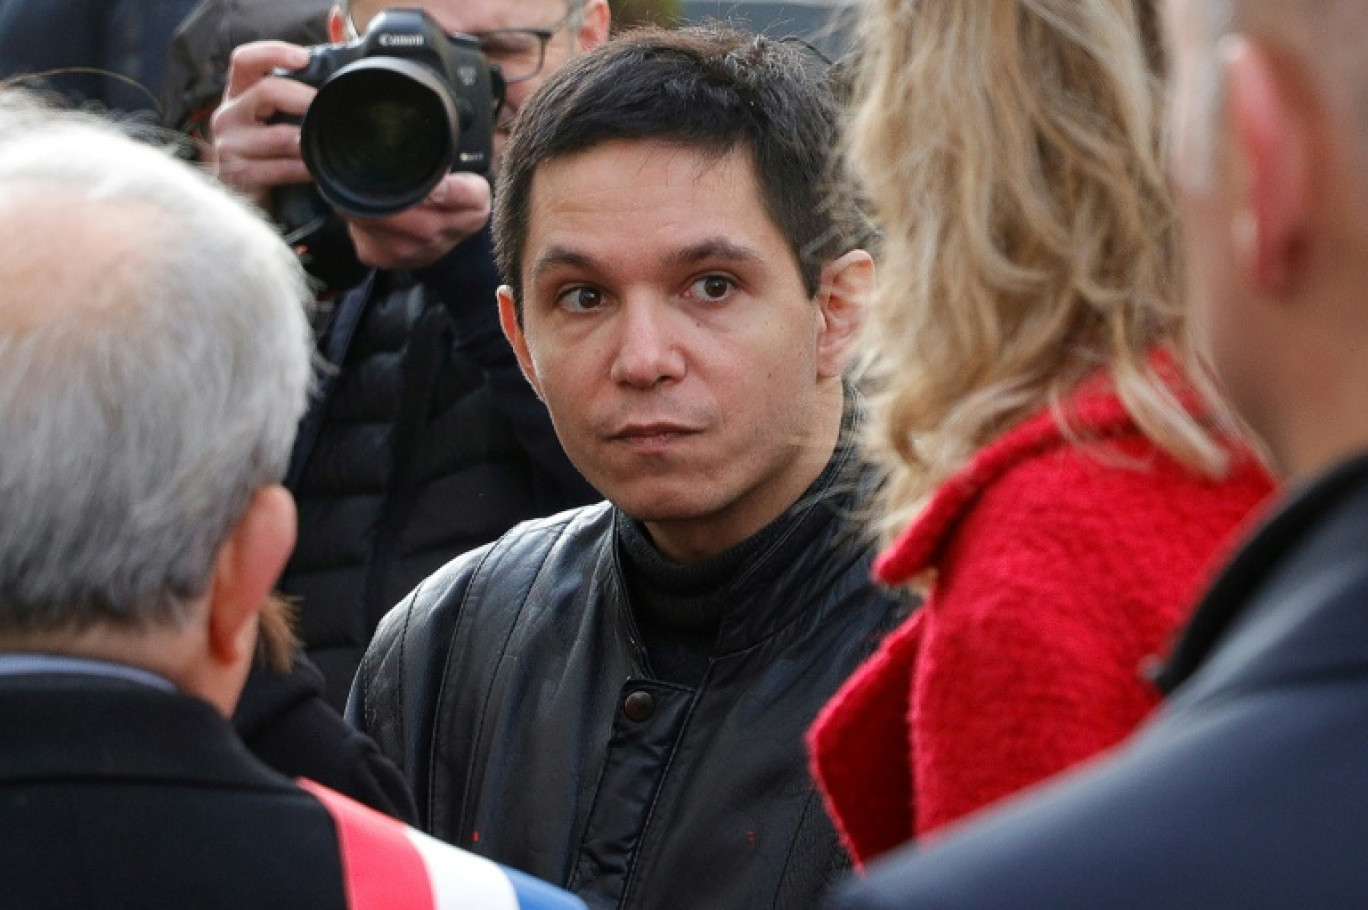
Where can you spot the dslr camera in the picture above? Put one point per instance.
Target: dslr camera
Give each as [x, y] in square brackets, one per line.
[396, 110]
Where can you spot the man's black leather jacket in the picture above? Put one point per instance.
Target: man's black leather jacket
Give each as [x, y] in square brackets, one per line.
[513, 689]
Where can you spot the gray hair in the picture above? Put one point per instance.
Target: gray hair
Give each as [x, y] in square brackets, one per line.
[140, 412]
[576, 10]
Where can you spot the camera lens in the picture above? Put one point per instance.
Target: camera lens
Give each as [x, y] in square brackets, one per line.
[380, 135]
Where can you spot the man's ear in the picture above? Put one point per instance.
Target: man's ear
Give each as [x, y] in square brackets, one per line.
[1272, 127]
[337, 26]
[246, 569]
[512, 329]
[595, 22]
[843, 299]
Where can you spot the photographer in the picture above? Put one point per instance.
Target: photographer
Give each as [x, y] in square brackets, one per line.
[427, 441]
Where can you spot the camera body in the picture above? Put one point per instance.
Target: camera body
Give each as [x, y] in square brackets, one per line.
[396, 110]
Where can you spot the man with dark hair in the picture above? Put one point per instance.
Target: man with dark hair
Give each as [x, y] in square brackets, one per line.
[1247, 789]
[615, 698]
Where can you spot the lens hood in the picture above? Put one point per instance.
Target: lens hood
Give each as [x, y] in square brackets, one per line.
[381, 133]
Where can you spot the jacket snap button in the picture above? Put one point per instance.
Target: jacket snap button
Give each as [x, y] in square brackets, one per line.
[638, 706]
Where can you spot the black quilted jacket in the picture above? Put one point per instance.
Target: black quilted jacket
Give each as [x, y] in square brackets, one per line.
[428, 442]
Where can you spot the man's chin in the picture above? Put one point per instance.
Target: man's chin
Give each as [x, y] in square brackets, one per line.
[663, 507]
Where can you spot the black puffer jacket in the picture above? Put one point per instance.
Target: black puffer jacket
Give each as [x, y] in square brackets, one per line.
[514, 691]
[427, 443]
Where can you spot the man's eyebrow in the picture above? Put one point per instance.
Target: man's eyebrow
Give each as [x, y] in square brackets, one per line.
[709, 249]
[554, 256]
[714, 248]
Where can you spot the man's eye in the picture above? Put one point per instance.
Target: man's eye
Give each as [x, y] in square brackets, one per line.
[713, 287]
[581, 299]
[500, 52]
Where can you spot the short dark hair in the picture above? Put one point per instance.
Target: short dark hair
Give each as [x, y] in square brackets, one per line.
[706, 87]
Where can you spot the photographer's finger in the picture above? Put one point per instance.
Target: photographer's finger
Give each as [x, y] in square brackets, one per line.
[238, 128]
[252, 160]
[439, 227]
[254, 61]
[381, 249]
[409, 241]
[258, 178]
[461, 191]
[280, 140]
[262, 104]
[255, 176]
[282, 98]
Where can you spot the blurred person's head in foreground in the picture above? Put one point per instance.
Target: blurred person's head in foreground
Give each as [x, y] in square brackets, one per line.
[154, 363]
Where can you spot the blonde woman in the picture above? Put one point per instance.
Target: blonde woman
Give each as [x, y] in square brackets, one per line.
[1059, 485]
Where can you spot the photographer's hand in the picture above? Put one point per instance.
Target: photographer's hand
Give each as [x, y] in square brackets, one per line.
[253, 153]
[455, 209]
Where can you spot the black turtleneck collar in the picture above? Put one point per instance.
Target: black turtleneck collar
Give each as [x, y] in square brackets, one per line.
[679, 607]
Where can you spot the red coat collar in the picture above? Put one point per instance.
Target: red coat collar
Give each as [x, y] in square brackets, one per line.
[1094, 414]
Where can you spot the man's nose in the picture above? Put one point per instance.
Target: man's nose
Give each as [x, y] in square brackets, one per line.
[649, 350]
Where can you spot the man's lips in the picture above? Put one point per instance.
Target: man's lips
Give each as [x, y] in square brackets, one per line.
[652, 436]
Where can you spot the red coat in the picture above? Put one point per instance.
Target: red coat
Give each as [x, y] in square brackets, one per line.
[1060, 570]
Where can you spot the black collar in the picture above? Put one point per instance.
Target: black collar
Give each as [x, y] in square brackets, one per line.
[1263, 552]
[76, 726]
[762, 583]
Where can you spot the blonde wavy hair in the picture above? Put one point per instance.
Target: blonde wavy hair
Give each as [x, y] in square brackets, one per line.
[1011, 151]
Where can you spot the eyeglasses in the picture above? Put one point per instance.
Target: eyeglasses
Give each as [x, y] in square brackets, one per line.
[519, 52]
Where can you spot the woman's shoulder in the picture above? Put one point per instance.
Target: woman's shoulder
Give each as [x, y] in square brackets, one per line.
[1090, 473]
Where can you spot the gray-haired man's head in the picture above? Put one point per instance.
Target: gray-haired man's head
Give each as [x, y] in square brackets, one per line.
[154, 363]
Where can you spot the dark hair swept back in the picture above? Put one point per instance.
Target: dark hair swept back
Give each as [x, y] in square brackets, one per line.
[710, 88]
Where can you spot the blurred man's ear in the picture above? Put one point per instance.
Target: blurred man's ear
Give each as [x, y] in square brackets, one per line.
[594, 25]
[1272, 122]
[843, 299]
[245, 571]
[513, 331]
